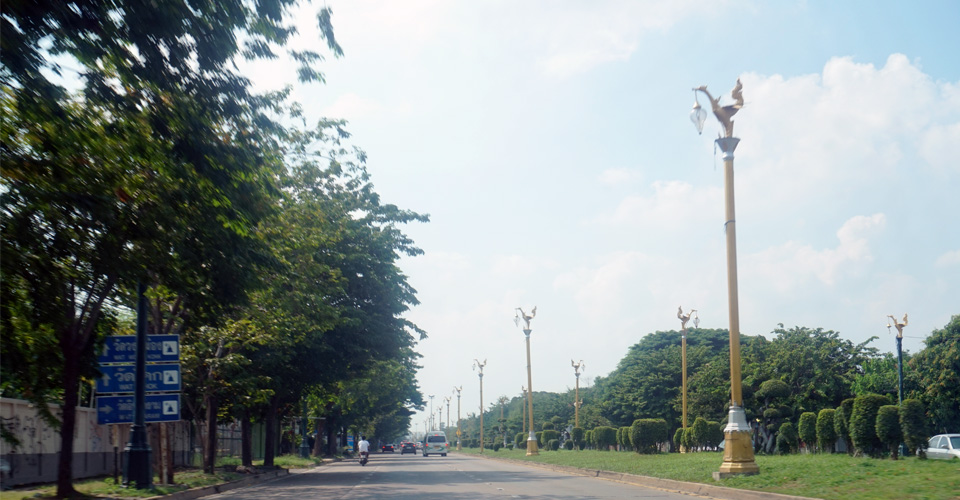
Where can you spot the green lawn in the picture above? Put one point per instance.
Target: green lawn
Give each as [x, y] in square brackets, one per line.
[820, 476]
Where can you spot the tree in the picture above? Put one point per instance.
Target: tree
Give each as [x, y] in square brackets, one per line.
[888, 428]
[863, 424]
[774, 393]
[841, 422]
[166, 149]
[826, 433]
[913, 422]
[787, 438]
[807, 428]
[938, 367]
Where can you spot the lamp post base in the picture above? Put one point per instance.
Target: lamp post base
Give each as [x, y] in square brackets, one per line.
[532, 445]
[738, 448]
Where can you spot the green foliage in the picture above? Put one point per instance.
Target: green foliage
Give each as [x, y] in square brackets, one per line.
[553, 444]
[826, 431]
[938, 367]
[623, 438]
[577, 435]
[588, 439]
[841, 422]
[714, 434]
[913, 425]
[548, 426]
[687, 438]
[807, 429]
[605, 436]
[699, 433]
[888, 428]
[678, 438]
[549, 434]
[787, 438]
[539, 439]
[521, 440]
[568, 444]
[863, 424]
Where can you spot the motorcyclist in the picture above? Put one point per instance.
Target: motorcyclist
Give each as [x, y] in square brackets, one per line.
[364, 447]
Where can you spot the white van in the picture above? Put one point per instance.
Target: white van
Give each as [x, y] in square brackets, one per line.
[435, 442]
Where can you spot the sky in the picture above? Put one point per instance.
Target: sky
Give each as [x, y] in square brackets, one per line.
[551, 145]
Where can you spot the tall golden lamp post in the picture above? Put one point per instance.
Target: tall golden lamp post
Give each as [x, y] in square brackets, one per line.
[447, 399]
[478, 365]
[576, 394]
[430, 427]
[683, 353]
[532, 436]
[458, 389]
[899, 326]
[738, 451]
[523, 417]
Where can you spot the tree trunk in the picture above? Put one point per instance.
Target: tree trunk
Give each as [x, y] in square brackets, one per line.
[331, 441]
[246, 440]
[71, 377]
[318, 440]
[270, 433]
[210, 458]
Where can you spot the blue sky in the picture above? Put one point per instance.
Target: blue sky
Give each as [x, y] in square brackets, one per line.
[551, 145]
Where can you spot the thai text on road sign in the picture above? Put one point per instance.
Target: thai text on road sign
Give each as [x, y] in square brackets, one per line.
[122, 378]
[123, 349]
[119, 409]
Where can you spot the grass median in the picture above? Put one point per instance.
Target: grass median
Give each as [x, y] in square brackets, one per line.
[104, 487]
[826, 476]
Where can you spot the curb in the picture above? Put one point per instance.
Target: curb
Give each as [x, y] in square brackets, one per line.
[203, 491]
[701, 489]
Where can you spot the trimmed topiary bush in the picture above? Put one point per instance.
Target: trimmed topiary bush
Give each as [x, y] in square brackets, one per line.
[647, 433]
[714, 434]
[577, 436]
[913, 425]
[588, 439]
[568, 444]
[863, 424]
[548, 435]
[698, 434]
[888, 428]
[677, 439]
[807, 430]
[687, 440]
[605, 437]
[521, 441]
[788, 434]
[826, 432]
[539, 439]
[841, 423]
[548, 426]
[553, 444]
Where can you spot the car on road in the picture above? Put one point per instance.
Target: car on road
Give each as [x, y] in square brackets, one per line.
[435, 442]
[387, 448]
[408, 447]
[945, 446]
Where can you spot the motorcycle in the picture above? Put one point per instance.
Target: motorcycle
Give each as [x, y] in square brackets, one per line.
[364, 457]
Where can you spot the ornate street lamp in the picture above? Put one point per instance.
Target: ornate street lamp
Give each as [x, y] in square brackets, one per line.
[576, 394]
[458, 389]
[532, 437]
[683, 352]
[738, 450]
[431, 413]
[899, 327]
[479, 365]
[448, 399]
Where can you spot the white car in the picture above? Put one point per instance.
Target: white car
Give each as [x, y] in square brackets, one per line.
[944, 446]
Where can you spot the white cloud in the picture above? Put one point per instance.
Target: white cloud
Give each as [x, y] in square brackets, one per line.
[792, 264]
[601, 288]
[940, 146]
[949, 259]
[673, 207]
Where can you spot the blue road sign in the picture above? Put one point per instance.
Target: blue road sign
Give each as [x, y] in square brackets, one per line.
[122, 378]
[123, 349]
[119, 409]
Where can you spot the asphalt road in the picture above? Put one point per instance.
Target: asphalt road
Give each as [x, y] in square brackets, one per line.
[454, 477]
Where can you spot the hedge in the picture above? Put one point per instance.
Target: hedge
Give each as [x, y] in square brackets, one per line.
[788, 435]
[841, 422]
